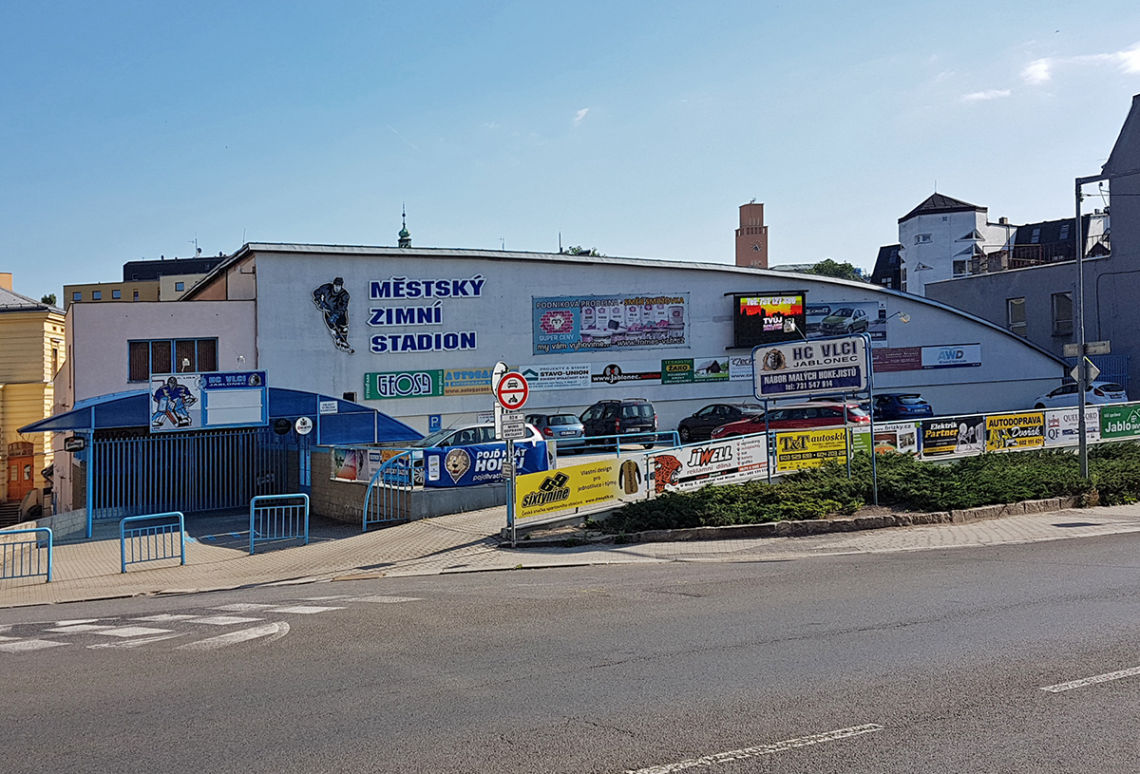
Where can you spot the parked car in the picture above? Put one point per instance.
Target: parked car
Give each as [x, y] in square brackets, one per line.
[1097, 393]
[901, 405]
[621, 417]
[565, 430]
[797, 416]
[699, 425]
[845, 319]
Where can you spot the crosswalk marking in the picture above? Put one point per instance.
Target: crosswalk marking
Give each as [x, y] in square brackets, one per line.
[385, 600]
[21, 645]
[166, 617]
[222, 620]
[78, 628]
[241, 607]
[131, 631]
[134, 643]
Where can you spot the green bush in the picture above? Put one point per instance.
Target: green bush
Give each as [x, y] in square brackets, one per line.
[904, 483]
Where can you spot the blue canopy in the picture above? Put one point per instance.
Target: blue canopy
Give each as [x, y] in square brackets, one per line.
[351, 423]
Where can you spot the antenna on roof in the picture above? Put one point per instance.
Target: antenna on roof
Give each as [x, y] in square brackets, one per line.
[559, 241]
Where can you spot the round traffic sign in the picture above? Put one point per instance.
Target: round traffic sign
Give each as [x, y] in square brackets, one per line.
[512, 390]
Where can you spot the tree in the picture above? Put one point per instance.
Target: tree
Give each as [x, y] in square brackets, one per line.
[829, 268]
[48, 299]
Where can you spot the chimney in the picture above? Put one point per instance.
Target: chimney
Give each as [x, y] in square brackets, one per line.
[1003, 221]
[5, 280]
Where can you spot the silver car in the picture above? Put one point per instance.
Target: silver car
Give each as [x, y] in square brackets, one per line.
[565, 430]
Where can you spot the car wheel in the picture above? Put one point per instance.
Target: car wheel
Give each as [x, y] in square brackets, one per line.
[685, 434]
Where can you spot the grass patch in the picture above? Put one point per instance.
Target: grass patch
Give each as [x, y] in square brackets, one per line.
[904, 483]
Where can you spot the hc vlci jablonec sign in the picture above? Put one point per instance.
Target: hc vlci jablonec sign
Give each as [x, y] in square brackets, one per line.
[803, 368]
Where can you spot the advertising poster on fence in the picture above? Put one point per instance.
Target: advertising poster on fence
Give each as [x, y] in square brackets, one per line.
[1062, 426]
[1119, 422]
[898, 437]
[607, 323]
[1005, 432]
[482, 464]
[801, 449]
[953, 435]
[693, 466]
[576, 486]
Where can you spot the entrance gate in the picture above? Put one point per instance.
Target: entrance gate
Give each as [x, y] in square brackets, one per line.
[188, 472]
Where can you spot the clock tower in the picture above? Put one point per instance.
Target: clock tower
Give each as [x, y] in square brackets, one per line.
[752, 237]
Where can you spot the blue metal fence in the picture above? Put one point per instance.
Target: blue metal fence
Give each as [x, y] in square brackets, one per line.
[163, 537]
[189, 472]
[23, 557]
[389, 495]
[278, 517]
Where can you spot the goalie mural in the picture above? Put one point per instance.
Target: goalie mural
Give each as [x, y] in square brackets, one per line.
[332, 299]
[172, 401]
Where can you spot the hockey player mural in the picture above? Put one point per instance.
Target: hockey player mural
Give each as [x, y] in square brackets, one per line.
[332, 299]
[172, 401]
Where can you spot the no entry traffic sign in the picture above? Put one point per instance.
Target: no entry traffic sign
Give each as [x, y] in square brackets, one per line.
[512, 391]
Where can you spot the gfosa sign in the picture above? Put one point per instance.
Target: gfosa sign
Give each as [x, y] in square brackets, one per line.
[792, 369]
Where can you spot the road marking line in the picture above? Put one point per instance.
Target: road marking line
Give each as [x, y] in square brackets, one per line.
[75, 621]
[304, 609]
[223, 620]
[164, 617]
[323, 599]
[79, 628]
[385, 600]
[1059, 687]
[134, 643]
[271, 631]
[764, 749]
[131, 631]
[22, 645]
[241, 607]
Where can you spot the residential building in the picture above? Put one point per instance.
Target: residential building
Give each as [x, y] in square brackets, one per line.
[33, 352]
[1032, 289]
[161, 280]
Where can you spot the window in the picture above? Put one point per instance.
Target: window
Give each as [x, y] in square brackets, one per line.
[116, 294]
[135, 297]
[96, 295]
[1062, 314]
[54, 361]
[1015, 315]
[1064, 232]
[923, 239]
[165, 356]
[959, 268]
[179, 286]
[1035, 237]
[77, 295]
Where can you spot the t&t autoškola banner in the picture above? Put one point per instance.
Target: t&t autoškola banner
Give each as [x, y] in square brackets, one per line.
[591, 483]
[799, 449]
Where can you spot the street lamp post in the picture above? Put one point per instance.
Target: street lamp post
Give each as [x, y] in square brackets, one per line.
[1082, 369]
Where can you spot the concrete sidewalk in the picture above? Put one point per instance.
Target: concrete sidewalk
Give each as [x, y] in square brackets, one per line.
[468, 542]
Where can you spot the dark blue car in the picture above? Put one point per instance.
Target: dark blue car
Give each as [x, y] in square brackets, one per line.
[901, 405]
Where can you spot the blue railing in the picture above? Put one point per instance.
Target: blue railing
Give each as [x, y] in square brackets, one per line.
[278, 517]
[389, 494]
[164, 538]
[24, 558]
[667, 438]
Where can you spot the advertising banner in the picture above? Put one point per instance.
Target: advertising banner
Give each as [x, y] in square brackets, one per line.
[740, 368]
[563, 324]
[1062, 426]
[403, 384]
[677, 371]
[574, 376]
[693, 466]
[350, 464]
[482, 464]
[1015, 431]
[767, 318]
[803, 368]
[620, 373]
[576, 486]
[1119, 421]
[176, 402]
[952, 356]
[799, 449]
[840, 318]
[194, 401]
[467, 381]
[953, 435]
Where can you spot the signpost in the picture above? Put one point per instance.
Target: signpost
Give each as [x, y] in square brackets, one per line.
[511, 391]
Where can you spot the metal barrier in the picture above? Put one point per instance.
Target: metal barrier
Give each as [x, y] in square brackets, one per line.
[154, 542]
[278, 517]
[389, 496]
[25, 558]
[648, 440]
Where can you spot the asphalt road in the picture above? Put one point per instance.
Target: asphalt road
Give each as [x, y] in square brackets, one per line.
[921, 661]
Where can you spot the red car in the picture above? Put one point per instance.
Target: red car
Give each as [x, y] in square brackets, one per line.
[797, 416]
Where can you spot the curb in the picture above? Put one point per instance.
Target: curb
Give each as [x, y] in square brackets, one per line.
[814, 526]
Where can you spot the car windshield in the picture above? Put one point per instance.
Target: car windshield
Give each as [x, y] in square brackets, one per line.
[436, 438]
[844, 312]
[1108, 387]
[637, 410]
[910, 400]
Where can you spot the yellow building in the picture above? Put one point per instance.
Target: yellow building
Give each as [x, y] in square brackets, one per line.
[31, 353]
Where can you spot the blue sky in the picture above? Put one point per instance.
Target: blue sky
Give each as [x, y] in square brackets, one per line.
[132, 129]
